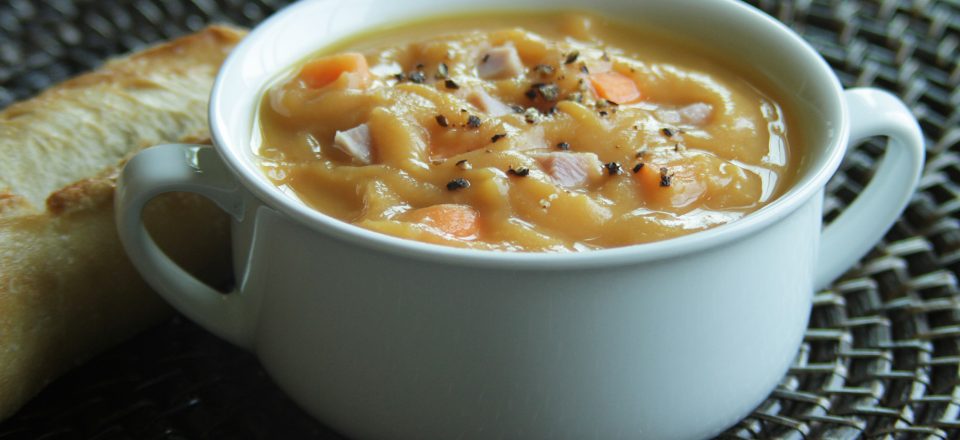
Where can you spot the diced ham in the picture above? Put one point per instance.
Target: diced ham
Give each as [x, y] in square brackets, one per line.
[499, 63]
[493, 106]
[570, 169]
[695, 114]
[356, 142]
[531, 139]
[598, 65]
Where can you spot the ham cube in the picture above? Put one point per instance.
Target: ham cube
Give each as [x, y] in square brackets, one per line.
[500, 62]
[531, 139]
[493, 106]
[570, 169]
[356, 143]
[695, 115]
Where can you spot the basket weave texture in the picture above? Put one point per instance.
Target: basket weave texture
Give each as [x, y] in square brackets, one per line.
[880, 358]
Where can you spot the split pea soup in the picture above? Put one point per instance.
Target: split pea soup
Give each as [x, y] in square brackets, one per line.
[542, 132]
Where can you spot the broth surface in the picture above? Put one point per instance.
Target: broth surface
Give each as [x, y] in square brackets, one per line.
[526, 132]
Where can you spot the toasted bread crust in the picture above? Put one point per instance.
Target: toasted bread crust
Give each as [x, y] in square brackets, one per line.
[12, 204]
[67, 290]
[87, 124]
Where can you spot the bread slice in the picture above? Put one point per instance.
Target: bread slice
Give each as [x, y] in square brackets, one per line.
[67, 290]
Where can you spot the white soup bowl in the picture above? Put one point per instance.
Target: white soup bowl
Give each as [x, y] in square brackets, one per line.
[383, 338]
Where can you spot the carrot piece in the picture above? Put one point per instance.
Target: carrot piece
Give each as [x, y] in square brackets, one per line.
[649, 179]
[325, 70]
[675, 188]
[460, 221]
[615, 87]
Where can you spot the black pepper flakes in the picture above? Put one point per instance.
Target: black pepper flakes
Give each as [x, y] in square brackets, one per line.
[572, 57]
[549, 92]
[519, 172]
[613, 168]
[497, 137]
[442, 71]
[641, 152]
[486, 57]
[563, 146]
[458, 183]
[637, 168]
[399, 77]
[603, 113]
[473, 121]
[667, 131]
[417, 77]
[451, 84]
[463, 164]
[531, 115]
[543, 69]
[584, 69]
[419, 66]
[442, 121]
[665, 177]
[532, 94]
[517, 108]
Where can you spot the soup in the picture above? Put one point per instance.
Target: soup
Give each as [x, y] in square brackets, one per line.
[526, 132]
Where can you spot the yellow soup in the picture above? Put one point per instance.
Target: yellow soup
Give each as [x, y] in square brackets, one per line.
[526, 132]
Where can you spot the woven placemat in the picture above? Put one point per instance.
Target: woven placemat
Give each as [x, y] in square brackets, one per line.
[879, 360]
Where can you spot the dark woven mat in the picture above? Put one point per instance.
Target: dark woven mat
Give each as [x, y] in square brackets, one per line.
[880, 358]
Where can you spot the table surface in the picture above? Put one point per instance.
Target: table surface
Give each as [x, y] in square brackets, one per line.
[879, 360]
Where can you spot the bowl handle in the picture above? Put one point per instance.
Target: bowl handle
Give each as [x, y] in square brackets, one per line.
[190, 168]
[873, 112]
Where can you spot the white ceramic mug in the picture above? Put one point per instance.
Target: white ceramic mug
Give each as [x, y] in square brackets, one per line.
[382, 337]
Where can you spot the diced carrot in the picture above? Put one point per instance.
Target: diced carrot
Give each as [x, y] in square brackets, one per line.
[615, 87]
[648, 177]
[673, 188]
[325, 70]
[460, 221]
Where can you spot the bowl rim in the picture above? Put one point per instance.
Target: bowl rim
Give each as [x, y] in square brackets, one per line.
[807, 186]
